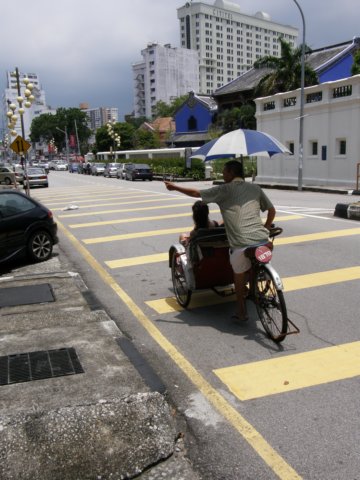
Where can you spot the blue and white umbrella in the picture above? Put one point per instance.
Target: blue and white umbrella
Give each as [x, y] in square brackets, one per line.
[241, 143]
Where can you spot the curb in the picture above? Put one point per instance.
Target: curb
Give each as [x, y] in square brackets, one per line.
[348, 210]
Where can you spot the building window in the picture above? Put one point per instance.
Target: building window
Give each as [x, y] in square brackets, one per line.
[314, 148]
[291, 147]
[341, 146]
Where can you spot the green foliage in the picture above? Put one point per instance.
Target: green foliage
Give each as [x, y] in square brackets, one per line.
[103, 141]
[249, 165]
[144, 139]
[43, 127]
[163, 109]
[286, 71]
[237, 117]
[355, 68]
[176, 167]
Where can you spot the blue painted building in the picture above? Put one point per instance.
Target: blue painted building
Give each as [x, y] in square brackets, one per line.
[334, 62]
[192, 121]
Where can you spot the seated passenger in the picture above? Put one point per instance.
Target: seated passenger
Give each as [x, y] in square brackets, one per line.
[201, 220]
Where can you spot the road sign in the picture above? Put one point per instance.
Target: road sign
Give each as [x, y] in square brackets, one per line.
[19, 145]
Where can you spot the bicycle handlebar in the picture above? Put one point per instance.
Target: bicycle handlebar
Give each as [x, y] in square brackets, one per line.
[275, 231]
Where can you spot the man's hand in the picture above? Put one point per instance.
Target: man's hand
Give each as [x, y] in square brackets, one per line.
[170, 186]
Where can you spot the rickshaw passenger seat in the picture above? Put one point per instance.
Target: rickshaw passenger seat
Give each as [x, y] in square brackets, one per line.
[208, 252]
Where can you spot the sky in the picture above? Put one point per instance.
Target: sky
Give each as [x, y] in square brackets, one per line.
[83, 50]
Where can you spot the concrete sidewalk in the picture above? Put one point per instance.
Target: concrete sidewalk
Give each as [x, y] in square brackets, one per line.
[104, 423]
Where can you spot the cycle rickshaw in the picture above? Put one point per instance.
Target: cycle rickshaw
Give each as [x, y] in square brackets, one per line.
[204, 264]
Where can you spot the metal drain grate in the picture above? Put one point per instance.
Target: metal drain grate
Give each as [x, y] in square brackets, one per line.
[26, 367]
[26, 295]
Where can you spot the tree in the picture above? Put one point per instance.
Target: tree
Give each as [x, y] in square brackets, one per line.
[355, 68]
[237, 117]
[104, 141]
[286, 71]
[144, 139]
[163, 109]
[44, 127]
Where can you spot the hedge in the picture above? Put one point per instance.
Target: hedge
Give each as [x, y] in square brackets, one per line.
[175, 167]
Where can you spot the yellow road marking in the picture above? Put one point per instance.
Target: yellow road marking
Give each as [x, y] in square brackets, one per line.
[131, 220]
[129, 236]
[309, 237]
[142, 260]
[168, 305]
[124, 210]
[321, 278]
[115, 202]
[161, 217]
[274, 461]
[279, 375]
[164, 256]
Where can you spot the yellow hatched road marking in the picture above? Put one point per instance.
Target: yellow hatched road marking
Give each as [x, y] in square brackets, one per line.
[124, 210]
[161, 217]
[309, 237]
[128, 236]
[126, 262]
[321, 278]
[169, 305]
[142, 260]
[110, 197]
[262, 448]
[81, 192]
[132, 220]
[279, 375]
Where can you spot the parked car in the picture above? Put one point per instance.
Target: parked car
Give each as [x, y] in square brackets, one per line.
[7, 175]
[61, 166]
[73, 167]
[26, 226]
[138, 171]
[111, 170]
[121, 170]
[19, 175]
[97, 169]
[36, 177]
[45, 165]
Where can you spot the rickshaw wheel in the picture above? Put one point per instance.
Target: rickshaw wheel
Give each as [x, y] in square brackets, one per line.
[181, 289]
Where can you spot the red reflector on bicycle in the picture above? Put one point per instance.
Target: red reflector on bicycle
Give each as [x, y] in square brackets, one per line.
[263, 254]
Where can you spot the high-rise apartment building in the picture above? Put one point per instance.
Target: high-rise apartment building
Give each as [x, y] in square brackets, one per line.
[227, 40]
[164, 74]
[98, 117]
[10, 96]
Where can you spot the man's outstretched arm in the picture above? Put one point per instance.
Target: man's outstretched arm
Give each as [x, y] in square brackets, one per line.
[190, 192]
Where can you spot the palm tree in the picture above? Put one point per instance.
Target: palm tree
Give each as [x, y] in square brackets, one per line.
[286, 71]
[355, 69]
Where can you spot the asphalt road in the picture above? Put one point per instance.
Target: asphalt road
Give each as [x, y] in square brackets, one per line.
[251, 409]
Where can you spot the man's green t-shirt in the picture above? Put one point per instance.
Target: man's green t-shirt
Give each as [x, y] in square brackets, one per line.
[240, 204]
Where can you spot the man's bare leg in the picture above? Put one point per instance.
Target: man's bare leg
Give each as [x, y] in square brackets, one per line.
[240, 280]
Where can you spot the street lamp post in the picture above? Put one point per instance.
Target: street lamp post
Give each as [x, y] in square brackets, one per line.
[27, 102]
[66, 143]
[302, 85]
[114, 136]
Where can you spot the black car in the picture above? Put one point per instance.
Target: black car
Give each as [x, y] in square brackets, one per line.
[26, 227]
[138, 171]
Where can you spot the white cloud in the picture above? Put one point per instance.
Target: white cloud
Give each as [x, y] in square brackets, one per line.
[83, 50]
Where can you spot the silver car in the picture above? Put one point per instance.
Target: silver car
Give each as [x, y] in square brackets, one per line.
[111, 170]
[36, 177]
[121, 170]
[7, 175]
[97, 169]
